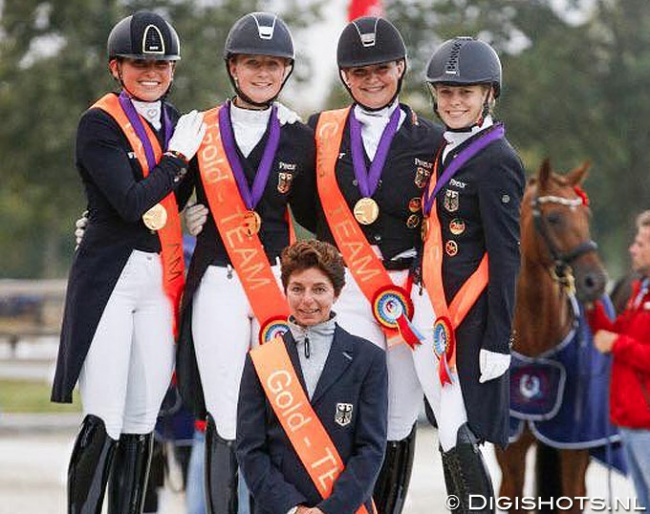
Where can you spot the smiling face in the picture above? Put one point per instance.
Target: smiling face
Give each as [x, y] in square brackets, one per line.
[374, 85]
[145, 80]
[310, 294]
[259, 77]
[461, 106]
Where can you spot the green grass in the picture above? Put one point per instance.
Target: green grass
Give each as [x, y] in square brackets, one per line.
[24, 396]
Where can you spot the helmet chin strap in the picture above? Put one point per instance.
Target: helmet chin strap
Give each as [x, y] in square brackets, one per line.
[478, 123]
[374, 109]
[262, 105]
[120, 81]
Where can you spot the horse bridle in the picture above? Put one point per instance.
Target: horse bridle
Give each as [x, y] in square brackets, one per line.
[562, 272]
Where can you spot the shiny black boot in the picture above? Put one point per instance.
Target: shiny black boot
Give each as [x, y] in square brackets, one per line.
[448, 465]
[395, 474]
[129, 475]
[466, 475]
[221, 472]
[90, 464]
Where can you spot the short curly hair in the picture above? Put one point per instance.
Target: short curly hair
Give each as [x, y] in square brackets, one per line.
[311, 253]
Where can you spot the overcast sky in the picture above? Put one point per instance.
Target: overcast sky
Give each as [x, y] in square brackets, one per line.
[319, 42]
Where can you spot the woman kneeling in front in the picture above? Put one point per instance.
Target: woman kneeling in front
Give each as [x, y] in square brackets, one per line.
[311, 421]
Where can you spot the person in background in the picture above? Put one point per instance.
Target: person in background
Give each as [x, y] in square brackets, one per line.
[251, 166]
[117, 339]
[471, 253]
[311, 421]
[627, 338]
[195, 485]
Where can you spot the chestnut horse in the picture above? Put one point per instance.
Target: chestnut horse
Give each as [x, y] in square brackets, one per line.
[559, 266]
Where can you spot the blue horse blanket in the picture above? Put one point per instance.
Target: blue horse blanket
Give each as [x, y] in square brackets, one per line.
[563, 396]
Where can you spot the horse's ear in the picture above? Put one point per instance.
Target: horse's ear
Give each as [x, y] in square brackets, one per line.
[544, 173]
[579, 174]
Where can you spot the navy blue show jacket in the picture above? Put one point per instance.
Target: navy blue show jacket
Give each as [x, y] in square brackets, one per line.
[118, 195]
[405, 174]
[355, 373]
[288, 185]
[479, 212]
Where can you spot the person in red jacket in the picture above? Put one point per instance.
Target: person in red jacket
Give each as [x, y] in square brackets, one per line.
[628, 340]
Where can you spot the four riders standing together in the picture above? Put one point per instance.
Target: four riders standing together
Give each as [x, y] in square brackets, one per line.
[418, 220]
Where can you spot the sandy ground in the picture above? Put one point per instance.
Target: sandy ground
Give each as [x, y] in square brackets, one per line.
[33, 466]
[34, 452]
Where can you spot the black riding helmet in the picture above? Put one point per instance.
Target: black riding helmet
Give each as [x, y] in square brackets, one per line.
[465, 61]
[259, 33]
[144, 35]
[367, 41]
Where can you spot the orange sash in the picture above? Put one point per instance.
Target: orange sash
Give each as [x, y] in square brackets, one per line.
[304, 429]
[171, 238]
[432, 278]
[366, 268]
[246, 252]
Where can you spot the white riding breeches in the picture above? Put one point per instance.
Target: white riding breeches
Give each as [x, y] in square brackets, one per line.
[446, 401]
[129, 364]
[410, 372]
[224, 330]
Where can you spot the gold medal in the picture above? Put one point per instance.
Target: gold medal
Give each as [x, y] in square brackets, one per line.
[155, 218]
[424, 229]
[252, 223]
[366, 211]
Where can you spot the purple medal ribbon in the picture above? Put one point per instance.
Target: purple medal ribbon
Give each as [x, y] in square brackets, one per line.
[368, 180]
[465, 155]
[251, 198]
[138, 126]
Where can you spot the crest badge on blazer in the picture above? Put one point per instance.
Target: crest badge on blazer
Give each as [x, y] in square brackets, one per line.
[451, 200]
[421, 176]
[284, 182]
[343, 414]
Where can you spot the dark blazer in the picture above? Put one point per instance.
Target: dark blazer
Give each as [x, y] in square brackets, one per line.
[294, 160]
[118, 196]
[408, 165]
[287, 185]
[479, 211]
[355, 373]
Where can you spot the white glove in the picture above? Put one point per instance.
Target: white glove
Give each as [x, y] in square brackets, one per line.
[286, 115]
[492, 364]
[80, 228]
[188, 134]
[195, 217]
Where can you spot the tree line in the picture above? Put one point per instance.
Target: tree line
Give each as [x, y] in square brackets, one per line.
[575, 85]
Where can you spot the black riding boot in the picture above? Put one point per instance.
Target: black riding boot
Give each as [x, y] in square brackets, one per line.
[395, 474]
[221, 472]
[90, 464]
[130, 474]
[466, 474]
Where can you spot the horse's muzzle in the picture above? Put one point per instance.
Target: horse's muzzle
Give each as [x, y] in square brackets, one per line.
[590, 283]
